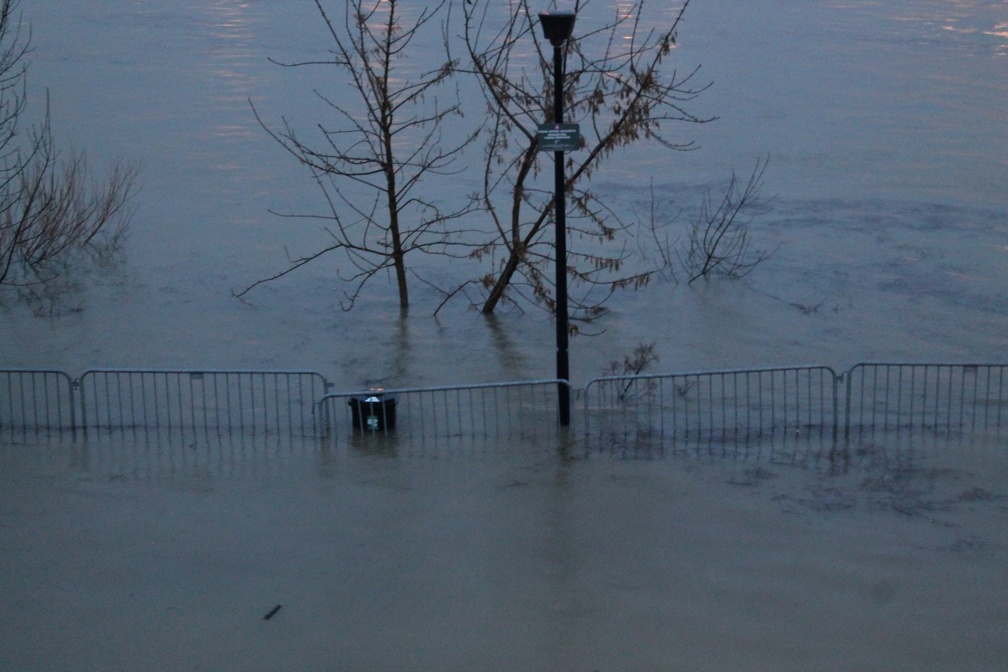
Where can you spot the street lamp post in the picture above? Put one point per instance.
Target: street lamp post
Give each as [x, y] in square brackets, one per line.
[557, 28]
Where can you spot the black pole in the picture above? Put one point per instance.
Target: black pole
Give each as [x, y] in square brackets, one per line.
[563, 368]
[557, 28]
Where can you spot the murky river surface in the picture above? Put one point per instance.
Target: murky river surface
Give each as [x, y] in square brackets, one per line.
[886, 131]
[502, 558]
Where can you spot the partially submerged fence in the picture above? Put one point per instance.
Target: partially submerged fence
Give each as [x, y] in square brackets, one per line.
[37, 400]
[516, 410]
[739, 405]
[928, 397]
[712, 405]
[266, 402]
[812, 401]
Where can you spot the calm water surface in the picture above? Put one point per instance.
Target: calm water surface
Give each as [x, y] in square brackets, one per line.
[499, 558]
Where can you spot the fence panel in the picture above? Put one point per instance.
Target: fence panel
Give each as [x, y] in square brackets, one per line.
[36, 400]
[641, 410]
[929, 397]
[709, 406]
[500, 410]
[257, 402]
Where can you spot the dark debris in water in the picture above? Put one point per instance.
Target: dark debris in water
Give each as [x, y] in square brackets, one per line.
[819, 497]
[751, 477]
[978, 494]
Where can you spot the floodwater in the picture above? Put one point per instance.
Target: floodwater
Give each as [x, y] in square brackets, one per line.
[885, 128]
[501, 558]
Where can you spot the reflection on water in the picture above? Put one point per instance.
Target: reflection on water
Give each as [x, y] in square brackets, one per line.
[925, 21]
[232, 60]
[980, 18]
[905, 459]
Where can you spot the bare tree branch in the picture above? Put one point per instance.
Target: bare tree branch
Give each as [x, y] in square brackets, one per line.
[719, 240]
[50, 211]
[615, 83]
[387, 137]
[620, 87]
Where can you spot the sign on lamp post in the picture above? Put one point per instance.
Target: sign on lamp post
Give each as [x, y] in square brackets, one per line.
[559, 137]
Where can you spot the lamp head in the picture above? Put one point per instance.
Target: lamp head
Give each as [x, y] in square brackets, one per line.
[557, 26]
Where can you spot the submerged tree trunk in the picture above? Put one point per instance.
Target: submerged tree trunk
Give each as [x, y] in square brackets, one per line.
[399, 261]
[391, 188]
[502, 282]
[518, 246]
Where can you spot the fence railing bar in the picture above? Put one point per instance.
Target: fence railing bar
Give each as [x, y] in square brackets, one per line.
[653, 408]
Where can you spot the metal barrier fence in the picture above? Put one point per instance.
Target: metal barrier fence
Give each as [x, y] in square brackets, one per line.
[264, 402]
[928, 397]
[711, 406]
[31, 400]
[524, 410]
[737, 405]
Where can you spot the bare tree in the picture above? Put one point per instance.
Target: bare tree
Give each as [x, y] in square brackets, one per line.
[621, 89]
[632, 366]
[719, 239]
[49, 209]
[384, 140]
